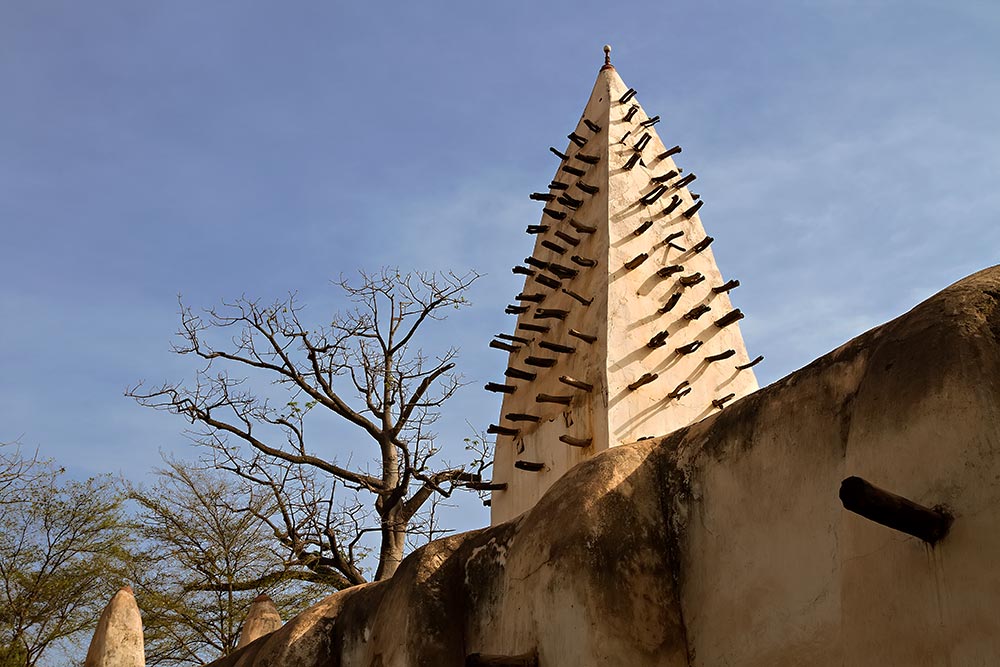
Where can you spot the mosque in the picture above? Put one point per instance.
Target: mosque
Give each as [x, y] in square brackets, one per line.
[651, 506]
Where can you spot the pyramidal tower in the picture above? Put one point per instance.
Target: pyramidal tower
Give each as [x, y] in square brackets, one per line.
[625, 327]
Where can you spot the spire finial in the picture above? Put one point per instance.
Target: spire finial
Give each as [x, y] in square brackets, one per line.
[607, 55]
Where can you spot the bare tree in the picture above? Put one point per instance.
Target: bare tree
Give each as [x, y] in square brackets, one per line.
[366, 369]
[19, 473]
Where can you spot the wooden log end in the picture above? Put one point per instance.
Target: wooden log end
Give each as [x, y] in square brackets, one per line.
[930, 524]
[576, 442]
[553, 398]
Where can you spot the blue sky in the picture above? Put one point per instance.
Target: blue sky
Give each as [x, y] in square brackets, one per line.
[848, 153]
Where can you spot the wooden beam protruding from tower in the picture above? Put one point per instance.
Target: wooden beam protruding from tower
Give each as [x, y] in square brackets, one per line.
[694, 209]
[583, 300]
[670, 151]
[578, 384]
[512, 338]
[659, 340]
[576, 442]
[731, 285]
[571, 240]
[669, 240]
[751, 364]
[554, 247]
[554, 398]
[518, 374]
[653, 195]
[667, 271]
[497, 345]
[691, 280]
[697, 312]
[685, 181]
[550, 313]
[645, 379]
[636, 261]
[662, 179]
[675, 201]
[642, 228]
[563, 272]
[671, 302]
[487, 486]
[681, 390]
[930, 524]
[572, 202]
[720, 356]
[543, 279]
[729, 318]
[690, 347]
[702, 244]
[556, 347]
[721, 402]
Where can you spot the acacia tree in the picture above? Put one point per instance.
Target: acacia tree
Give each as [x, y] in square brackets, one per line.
[202, 543]
[365, 368]
[64, 549]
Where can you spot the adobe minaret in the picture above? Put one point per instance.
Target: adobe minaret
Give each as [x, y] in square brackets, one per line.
[262, 619]
[624, 325]
[118, 640]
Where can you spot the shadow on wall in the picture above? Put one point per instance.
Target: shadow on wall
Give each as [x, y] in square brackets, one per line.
[697, 548]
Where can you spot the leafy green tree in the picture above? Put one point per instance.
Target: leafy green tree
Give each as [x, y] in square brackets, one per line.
[206, 555]
[64, 549]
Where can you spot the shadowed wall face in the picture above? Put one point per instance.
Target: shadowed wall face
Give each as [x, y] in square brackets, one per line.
[776, 571]
[726, 542]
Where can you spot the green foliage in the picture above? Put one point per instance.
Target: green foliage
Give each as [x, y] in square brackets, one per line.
[206, 556]
[64, 550]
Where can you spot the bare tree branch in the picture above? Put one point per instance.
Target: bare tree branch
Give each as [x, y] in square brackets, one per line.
[329, 512]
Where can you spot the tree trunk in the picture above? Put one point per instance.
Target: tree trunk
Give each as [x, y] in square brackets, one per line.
[391, 550]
